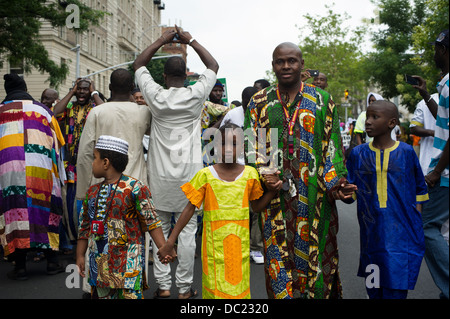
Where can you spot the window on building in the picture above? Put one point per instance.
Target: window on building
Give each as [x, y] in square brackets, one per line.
[99, 48]
[62, 32]
[16, 68]
[63, 61]
[92, 44]
[104, 50]
[111, 54]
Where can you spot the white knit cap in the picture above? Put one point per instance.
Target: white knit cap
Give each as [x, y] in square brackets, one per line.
[111, 143]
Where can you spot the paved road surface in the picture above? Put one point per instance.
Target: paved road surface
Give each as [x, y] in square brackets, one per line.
[41, 286]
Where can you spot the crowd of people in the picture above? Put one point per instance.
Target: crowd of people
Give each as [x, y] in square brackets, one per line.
[153, 168]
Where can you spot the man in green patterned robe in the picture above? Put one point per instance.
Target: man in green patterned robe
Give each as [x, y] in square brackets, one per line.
[300, 225]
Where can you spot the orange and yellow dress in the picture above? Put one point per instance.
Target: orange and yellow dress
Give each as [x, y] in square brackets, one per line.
[226, 230]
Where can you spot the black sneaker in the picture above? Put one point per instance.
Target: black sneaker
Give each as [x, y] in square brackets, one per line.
[53, 269]
[17, 274]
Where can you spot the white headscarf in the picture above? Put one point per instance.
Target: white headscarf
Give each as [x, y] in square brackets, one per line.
[378, 97]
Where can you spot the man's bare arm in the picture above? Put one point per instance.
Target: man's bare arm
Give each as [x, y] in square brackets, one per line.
[185, 38]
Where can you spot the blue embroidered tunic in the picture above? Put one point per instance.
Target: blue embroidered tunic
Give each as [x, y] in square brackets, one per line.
[390, 184]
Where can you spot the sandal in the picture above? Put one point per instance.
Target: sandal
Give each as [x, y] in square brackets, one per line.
[157, 294]
[191, 294]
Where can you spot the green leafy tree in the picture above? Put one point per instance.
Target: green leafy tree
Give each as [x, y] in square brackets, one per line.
[436, 20]
[156, 68]
[335, 50]
[20, 21]
[392, 58]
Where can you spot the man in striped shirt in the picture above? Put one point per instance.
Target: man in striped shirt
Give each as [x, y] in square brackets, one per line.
[435, 212]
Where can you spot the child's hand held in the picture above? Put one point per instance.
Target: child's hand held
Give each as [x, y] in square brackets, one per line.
[346, 191]
[272, 181]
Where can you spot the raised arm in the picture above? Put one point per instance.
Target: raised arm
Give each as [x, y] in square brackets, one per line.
[422, 89]
[206, 57]
[146, 56]
[62, 104]
[185, 38]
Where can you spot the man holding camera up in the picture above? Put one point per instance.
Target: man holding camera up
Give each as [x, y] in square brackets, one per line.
[435, 211]
[175, 130]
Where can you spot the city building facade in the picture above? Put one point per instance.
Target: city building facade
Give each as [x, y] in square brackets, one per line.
[128, 28]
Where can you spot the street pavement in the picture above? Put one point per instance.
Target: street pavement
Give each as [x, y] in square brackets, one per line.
[43, 286]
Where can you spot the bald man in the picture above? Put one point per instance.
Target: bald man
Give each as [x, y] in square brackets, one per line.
[300, 224]
[49, 97]
[119, 118]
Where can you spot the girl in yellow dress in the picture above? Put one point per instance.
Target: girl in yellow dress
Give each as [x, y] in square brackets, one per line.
[225, 190]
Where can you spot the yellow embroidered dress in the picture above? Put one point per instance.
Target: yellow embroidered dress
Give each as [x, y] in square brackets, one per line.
[226, 234]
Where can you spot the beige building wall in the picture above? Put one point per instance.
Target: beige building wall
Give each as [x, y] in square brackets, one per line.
[130, 27]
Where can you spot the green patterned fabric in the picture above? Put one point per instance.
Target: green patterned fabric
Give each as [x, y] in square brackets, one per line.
[299, 232]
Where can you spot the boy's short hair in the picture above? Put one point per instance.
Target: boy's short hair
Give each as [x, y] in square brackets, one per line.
[391, 108]
[118, 160]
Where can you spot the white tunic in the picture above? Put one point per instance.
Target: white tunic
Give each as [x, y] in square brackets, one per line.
[125, 120]
[174, 154]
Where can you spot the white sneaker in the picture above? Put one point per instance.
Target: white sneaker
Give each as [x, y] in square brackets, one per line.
[257, 257]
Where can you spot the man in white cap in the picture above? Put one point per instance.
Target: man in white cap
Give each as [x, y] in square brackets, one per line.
[115, 216]
[119, 118]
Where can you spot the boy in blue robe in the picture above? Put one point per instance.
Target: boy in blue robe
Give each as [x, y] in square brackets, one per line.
[391, 190]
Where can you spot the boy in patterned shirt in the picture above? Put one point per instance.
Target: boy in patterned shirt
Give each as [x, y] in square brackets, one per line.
[115, 215]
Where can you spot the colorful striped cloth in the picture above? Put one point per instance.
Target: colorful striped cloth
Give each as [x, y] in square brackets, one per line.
[30, 185]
